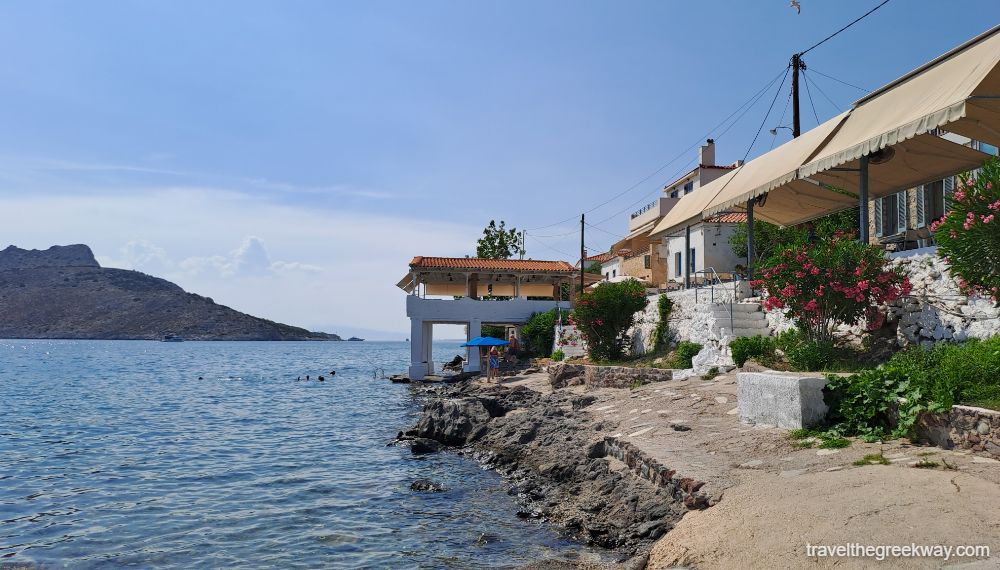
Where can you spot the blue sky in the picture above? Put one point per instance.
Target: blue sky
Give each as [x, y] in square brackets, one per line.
[288, 158]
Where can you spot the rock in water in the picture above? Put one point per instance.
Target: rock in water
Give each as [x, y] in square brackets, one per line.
[422, 445]
[426, 485]
[453, 422]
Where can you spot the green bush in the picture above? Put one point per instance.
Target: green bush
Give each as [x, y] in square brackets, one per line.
[811, 355]
[664, 306]
[759, 348]
[886, 401]
[539, 333]
[604, 315]
[494, 331]
[685, 351]
[558, 355]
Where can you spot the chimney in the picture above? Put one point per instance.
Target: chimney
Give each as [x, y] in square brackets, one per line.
[706, 154]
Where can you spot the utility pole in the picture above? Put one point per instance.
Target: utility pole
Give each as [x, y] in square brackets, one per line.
[796, 64]
[523, 233]
[583, 253]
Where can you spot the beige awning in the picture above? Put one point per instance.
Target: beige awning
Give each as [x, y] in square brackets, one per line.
[959, 92]
[761, 175]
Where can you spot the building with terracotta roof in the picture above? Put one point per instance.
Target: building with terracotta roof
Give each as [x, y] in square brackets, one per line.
[474, 292]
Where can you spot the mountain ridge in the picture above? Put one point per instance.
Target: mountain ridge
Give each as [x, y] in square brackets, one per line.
[64, 293]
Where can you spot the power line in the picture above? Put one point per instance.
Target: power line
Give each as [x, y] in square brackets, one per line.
[774, 137]
[831, 36]
[753, 99]
[840, 80]
[809, 93]
[823, 93]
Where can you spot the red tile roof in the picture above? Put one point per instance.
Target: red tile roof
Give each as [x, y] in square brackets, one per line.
[719, 166]
[477, 263]
[728, 218]
[601, 257]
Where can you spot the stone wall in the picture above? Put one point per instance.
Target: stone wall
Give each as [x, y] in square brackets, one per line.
[564, 374]
[683, 489]
[965, 427]
[935, 310]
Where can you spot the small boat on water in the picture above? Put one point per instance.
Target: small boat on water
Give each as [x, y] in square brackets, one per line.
[355, 339]
[172, 338]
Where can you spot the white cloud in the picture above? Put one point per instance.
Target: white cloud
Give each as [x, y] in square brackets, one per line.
[296, 264]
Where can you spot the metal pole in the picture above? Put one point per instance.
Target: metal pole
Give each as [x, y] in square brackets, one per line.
[796, 124]
[523, 234]
[863, 198]
[687, 256]
[583, 253]
[750, 253]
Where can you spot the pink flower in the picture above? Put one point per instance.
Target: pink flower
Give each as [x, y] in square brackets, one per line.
[812, 306]
[814, 271]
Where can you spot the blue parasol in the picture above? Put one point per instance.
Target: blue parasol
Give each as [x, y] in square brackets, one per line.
[486, 341]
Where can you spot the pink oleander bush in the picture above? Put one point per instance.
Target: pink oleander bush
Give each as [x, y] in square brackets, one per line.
[834, 281]
[968, 236]
[604, 315]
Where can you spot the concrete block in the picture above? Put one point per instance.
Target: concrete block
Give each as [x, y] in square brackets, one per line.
[786, 400]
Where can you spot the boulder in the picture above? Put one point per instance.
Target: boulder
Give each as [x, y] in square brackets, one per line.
[426, 485]
[453, 422]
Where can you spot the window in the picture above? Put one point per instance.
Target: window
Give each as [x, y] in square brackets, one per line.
[674, 194]
[692, 262]
[645, 262]
[677, 264]
[890, 214]
[689, 187]
[607, 276]
[988, 148]
[614, 273]
[930, 203]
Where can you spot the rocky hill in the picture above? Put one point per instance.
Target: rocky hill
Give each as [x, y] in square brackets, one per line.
[63, 292]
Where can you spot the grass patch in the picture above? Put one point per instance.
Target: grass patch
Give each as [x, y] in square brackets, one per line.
[829, 441]
[805, 443]
[926, 464]
[809, 437]
[873, 459]
[712, 373]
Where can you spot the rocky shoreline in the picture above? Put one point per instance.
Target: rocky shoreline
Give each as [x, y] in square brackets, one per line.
[559, 463]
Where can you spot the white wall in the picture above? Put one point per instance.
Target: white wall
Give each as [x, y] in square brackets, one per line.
[712, 249]
[611, 268]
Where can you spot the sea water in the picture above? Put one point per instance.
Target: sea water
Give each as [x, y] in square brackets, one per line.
[221, 454]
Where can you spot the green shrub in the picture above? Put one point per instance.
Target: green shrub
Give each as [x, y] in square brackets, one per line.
[558, 355]
[664, 306]
[494, 331]
[685, 351]
[539, 333]
[603, 316]
[810, 355]
[757, 347]
[712, 373]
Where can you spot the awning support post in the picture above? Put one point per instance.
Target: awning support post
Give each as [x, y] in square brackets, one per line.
[863, 199]
[750, 253]
[687, 257]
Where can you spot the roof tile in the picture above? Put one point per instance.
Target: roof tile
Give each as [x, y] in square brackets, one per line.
[478, 263]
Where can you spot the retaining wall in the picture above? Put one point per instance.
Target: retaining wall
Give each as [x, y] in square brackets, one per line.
[684, 489]
[563, 374]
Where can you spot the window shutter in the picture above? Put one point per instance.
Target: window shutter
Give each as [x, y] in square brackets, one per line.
[901, 203]
[949, 187]
[921, 213]
[878, 217]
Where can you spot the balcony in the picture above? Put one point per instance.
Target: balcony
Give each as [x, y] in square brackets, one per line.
[650, 213]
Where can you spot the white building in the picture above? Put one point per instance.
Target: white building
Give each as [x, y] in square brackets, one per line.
[475, 292]
[710, 249]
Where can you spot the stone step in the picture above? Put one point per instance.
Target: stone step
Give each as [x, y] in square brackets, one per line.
[741, 317]
[742, 331]
[737, 308]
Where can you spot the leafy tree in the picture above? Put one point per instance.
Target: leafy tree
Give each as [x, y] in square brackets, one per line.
[494, 331]
[539, 332]
[498, 242]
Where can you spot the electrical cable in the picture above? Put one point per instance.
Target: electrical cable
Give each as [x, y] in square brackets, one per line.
[809, 93]
[814, 70]
[831, 36]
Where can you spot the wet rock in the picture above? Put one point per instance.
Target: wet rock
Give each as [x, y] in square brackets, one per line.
[453, 422]
[426, 485]
[422, 445]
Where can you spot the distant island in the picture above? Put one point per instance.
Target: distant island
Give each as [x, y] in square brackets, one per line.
[64, 293]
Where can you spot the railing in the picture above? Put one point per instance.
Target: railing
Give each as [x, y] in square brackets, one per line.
[716, 280]
[644, 209]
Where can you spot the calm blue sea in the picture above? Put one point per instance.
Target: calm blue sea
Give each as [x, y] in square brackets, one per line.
[116, 454]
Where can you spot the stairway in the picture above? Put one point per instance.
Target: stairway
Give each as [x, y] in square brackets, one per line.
[748, 319]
